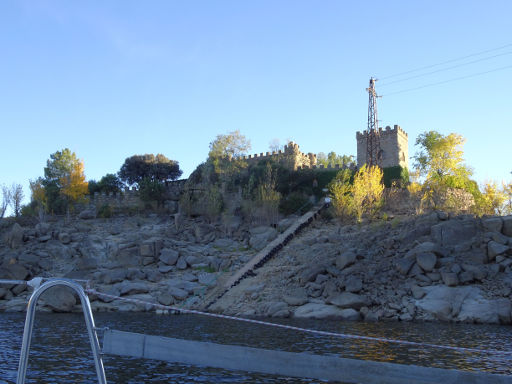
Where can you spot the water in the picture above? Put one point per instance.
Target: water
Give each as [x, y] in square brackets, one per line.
[61, 353]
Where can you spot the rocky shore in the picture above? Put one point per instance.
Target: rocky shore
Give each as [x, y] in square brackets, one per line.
[426, 268]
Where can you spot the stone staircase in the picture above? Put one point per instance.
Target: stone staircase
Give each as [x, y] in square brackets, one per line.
[258, 260]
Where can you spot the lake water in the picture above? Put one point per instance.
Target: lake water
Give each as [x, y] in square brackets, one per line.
[60, 351]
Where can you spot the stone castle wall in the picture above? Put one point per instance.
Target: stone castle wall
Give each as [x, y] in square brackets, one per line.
[291, 157]
[394, 145]
[130, 199]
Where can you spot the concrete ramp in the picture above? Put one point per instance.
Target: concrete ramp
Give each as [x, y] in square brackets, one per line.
[290, 364]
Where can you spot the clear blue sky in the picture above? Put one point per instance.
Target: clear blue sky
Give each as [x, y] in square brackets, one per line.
[110, 79]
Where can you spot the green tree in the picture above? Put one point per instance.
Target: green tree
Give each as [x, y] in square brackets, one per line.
[226, 153]
[440, 160]
[333, 159]
[340, 190]
[152, 190]
[367, 191]
[109, 183]
[156, 168]
[62, 173]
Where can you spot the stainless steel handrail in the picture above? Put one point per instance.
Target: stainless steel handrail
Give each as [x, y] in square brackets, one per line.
[89, 321]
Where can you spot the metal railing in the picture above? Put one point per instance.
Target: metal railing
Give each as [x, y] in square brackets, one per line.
[89, 321]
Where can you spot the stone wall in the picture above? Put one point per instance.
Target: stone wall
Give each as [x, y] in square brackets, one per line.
[129, 198]
[291, 157]
[394, 147]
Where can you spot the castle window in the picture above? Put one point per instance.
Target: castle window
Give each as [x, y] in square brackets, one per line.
[402, 158]
[380, 155]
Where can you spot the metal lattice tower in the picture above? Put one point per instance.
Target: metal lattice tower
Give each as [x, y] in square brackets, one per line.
[373, 137]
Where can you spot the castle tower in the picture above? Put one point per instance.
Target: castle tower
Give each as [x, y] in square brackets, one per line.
[394, 147]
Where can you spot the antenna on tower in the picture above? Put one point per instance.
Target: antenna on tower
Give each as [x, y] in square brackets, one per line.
[373, 152]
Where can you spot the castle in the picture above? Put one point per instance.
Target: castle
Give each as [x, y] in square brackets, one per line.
[394, 147]
[291, 157]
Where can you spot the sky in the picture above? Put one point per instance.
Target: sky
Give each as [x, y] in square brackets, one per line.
[111, 79]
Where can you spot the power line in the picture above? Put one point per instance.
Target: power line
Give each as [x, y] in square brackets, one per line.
[447, 68]
[448, 81]
[447, 62]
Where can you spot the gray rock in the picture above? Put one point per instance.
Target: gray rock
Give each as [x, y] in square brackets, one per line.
[426, 260]
[182, 263]
[165, 298]
[16, 272]
[504, 309]
[348, 300]
[148, 260]
[261, 236]
[14, 237]
[318, 311]
[132, 288]
[493, 224]
[345, 259]
[418, 292]
[42, 229]
[404, 265]
[453, 232]
[169, 256]
[427, 247]
[310, 274]
[3, 292]
[498, 237]
[64, 238]
[507, 226]
[353, 284]
[165, 268]
[349, 314]
[178, 293]
[277, 309]
[449, 278]
[208, 279]
[296, 297]
[111, 290]
[494, 249]
[466, 277]
[87, 214]
[59, 299]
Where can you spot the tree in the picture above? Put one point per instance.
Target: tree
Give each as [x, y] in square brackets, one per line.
[333, 159]
[367, 191]
[340, 190]
[494, 199]
[60, 165]
[226, 153]
[15, 198]
[440, 160]
[5, 201]
[152, 190]
[109, 183]
[155, 168]
[60, 169]
[274, 145]
[74, 186]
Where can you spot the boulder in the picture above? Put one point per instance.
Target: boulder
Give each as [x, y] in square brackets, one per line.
[59, 299]
[427, 247]
[353, 284]
[426, 260]
[494, 249]
[165, 298]
[296, 297]
[345, 259]
[453, 232]
[64, 238]
[348, 300]
[17, 271]
[181, 263]
[449, 278]
[42, 229]
[310, 274]
[87, 214]
[418, 292]
[404, 265]
[277, 309]
[507, 226]
[178, 293]
[261, 236]
[319, 311]
[14, 237]
[132, 288]
[493, 224]
[169, 256]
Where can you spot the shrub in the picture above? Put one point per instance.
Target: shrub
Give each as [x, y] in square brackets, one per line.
[105, 211]
[294, 203]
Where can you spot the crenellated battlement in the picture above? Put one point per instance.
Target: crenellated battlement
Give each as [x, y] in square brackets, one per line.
[291, 157]
[388, 131]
